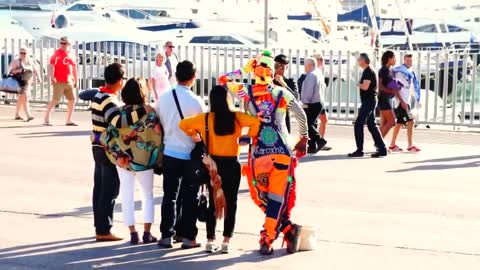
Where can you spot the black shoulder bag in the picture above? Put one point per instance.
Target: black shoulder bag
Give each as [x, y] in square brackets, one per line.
[20, 76]
[196, 170]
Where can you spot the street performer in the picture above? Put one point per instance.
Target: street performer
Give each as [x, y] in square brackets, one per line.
[271, 164]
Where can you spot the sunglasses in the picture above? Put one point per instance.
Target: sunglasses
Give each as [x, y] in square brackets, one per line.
[171, 46]
[23, 53]
[63, 43]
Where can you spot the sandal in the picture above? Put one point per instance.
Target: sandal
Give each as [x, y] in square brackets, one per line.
[18, 118]
[48, 124]
[148, 238]
[71, 124]
[134, 238]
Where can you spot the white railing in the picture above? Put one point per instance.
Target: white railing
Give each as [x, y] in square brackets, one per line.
[453, 97]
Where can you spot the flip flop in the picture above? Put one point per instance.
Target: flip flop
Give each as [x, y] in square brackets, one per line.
[72, 124]
[47, 124]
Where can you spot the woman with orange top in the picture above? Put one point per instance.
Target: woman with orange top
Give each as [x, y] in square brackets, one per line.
[225, 130]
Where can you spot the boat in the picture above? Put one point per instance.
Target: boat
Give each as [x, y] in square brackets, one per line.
[89, 12]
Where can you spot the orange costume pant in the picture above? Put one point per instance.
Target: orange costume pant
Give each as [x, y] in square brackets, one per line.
[272, 187]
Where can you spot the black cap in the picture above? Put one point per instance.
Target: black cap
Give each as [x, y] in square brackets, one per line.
[281, 58]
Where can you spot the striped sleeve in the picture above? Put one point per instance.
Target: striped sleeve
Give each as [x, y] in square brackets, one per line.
[239, 90]
[110, 110]
[128, 116]
[295, 107]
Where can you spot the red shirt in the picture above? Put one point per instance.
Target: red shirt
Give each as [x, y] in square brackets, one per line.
[61, 62]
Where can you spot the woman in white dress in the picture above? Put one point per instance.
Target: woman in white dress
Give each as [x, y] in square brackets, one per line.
[27, 66]
[158, 82]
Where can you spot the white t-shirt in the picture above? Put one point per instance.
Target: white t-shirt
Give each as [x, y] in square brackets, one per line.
[405, 92]
[177, 143]
[160, 74]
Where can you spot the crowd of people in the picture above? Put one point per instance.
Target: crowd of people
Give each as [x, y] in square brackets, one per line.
[132, 140]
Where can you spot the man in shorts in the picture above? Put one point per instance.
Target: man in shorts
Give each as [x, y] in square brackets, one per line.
[63, 72]
[404, 117]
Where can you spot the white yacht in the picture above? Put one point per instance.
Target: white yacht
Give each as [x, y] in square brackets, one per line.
[93, 13]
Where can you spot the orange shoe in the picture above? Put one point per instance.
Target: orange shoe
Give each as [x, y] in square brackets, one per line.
[107, 237]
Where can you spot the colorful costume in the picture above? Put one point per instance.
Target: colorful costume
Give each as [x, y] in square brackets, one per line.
[271, 166]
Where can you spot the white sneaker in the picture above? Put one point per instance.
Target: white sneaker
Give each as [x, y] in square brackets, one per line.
[226, 248]
[211, 247]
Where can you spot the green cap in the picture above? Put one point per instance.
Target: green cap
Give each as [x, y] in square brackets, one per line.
[267, 58]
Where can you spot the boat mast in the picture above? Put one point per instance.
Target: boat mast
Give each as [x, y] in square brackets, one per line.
[324, 29]
[404, 25]
[265, 27]
[373, 8]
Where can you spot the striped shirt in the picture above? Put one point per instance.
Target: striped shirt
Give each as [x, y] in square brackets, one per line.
[105, 111]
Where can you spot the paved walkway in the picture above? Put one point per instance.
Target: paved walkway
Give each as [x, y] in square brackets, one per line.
[406, 211]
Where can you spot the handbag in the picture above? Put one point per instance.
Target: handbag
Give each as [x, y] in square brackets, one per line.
[196, 170]
[10, 85]
[202, 208]
[158, 167]
[14, 84]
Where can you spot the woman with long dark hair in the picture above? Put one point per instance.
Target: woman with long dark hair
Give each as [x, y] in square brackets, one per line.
[225, 130]
[386, 95]
[134, 149]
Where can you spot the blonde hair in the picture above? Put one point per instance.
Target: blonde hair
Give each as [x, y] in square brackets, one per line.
[162, 54]
[318, 56]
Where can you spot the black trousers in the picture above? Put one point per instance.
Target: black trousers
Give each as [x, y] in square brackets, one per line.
[366, 114]
[105, 190]
[230, 171]
[174, 183]
[287, 121]
[312, 112]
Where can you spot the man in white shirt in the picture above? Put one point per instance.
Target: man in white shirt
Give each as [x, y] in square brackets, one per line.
[159, 82]
[171, 62]
[176, 157]
[313, 102]
[404, 117]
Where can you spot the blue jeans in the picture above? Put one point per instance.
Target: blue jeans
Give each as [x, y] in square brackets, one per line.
[366, 114]
[105, 190]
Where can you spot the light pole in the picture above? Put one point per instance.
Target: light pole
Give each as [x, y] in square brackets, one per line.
[265, 30]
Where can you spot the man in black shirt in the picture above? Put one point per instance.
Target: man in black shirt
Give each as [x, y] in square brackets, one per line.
[281, 65]
[366, 113]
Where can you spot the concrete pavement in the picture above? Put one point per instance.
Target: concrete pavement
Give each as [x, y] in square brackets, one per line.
[406, 211]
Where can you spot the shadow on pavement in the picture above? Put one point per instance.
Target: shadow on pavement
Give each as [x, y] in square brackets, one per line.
[445, 159]
[317, 157]
[54, 134]
[472, 164]
[18, 250]
[87, 210]
[24, 126]
[79, 254]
